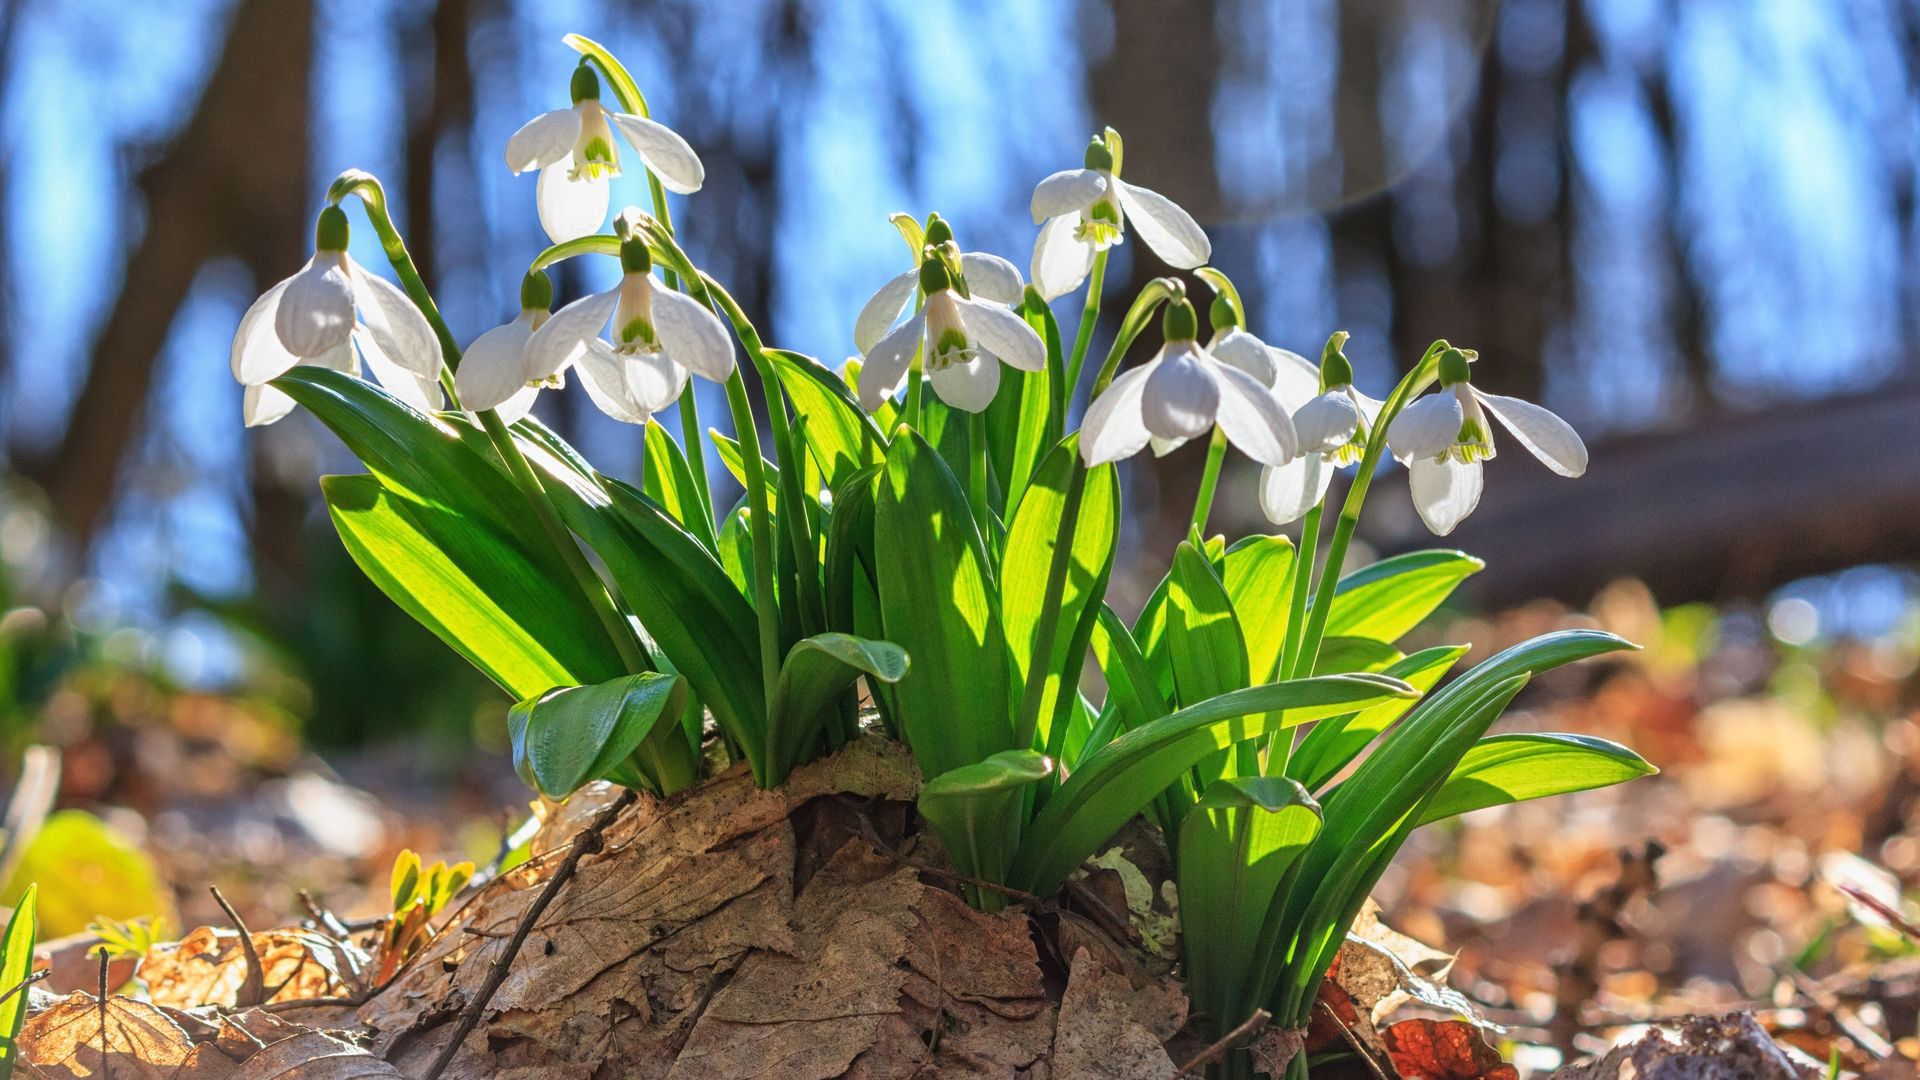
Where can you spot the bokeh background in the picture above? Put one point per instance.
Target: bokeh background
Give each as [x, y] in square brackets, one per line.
[1689, 226]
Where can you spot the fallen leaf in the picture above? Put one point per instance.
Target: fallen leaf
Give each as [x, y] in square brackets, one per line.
[208, 966]
[140, 1041]
[1443, 1050]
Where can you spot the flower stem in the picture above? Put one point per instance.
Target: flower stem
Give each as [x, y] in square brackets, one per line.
[1089, 315]
[912, 415]
[1209, 480]
[764, 606]
[977, 471]
[618, 629]
[1302, 586]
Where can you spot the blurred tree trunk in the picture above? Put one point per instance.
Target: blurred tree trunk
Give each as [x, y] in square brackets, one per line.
[442, 130]
[234, 182]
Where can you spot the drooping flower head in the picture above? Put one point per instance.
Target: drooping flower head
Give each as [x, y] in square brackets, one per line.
[1084, 211]
[659, 336]
[1444, 438]
[332, 314]
[1181, 394]
[493, 374]
[980, 275]
[577, 156]
[1288, 374]
[1333, 426]
[963, 340]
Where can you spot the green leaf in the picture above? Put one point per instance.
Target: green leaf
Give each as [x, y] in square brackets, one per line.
[1026, 417]
[1203, 637]
[1337, 740]
[1032, 537]
[404, 882]
[1341, 654]
[1237, 847]
[1117, 780]
[816, 674]
[937, 601]
[1391, 597]
[473, 586]
[668, 480]
[840, 435]
[16, 963]
[1258, 575]
[729, 448]
[566, 738]
[1132, 690]
[82, 869]
[1502, 769]
[977, 811]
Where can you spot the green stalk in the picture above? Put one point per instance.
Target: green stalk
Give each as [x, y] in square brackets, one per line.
[977, 470]
[767, 613]
[1209, 480]
[618, 629]
[910, 416]
[1089, 315]
[1302, 586]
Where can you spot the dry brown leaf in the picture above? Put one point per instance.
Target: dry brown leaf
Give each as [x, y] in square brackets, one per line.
[141, 1043]
[208, 966]
[311, 1055]
[1732, 1047]
[1443, 1050]
[1106, 1029]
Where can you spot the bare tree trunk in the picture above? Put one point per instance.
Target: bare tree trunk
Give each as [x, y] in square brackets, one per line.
[235, 182]
[449, 115]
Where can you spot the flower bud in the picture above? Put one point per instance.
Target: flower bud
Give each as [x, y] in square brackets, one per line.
[938, 231]
[586, 83]
[330, 232]
[536, 291]
[1453, 368]
[1335, 370]
[634, 256]
[1180, 322]
[1099, 157]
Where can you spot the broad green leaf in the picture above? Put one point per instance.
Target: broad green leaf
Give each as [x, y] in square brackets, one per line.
[815, 677]
[1341, 654]
[1337, 740]
[1204, 642]
[1237, 846]
[1391, 597]
[404, 882]
[567, 737]
[1032, 539]
[1150, 627]
[668, 481]
[1027, 415]
[1502, 769]
[1258, 576]
[1132, 691]
[736, 550]
[729, 449]
[474, 587]
[937, 601]
[16, 963]
[1118, 780]
[839, 434]
[977, 811]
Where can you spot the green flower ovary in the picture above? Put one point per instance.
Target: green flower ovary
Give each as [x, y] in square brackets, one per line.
[593, 159]
[638, 336]
[1100, 223]
[952, 347]
[1472, 444]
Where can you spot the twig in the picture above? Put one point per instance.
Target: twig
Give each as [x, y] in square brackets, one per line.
[106, 1056]
[483, 933]
[325, 919]
[1360, 1048]
[253, 991]
[1251, 1025]
[587, 841]
[32, 977]
[872, 837]
[314, 1003]
[1883, 909]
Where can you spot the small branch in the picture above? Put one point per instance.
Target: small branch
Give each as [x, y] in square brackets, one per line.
[32, 977]
[1248, 1027]
[589, 840]
[106, 1054]
[315, 1003]
[253, 991]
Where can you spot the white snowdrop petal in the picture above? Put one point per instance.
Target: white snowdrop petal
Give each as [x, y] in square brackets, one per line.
[396, 323]
[603, 373]
[1004, 334]
[1162, 447]
[1425, 428]
[564, 336]
[990, 277]
[1326, 423]
[1288, 491]
[543, 140]
[1252, 417]
[694, 336]
[491, 371]
[888, 361]
[879, 312]
[257, 354]
[516, 408]
[1170, 231]
[421, 393]
[654, 380]
[1068, 191]
[1237, 348]
[1295, 380]
[1444, 492]
[315, 313]
[1369, 407]
[261, 405]
[665, 152]
[968, 387]
[1060, 261]
[570, 209]
[1113, 427]
[1181, 397]
[1544, 434]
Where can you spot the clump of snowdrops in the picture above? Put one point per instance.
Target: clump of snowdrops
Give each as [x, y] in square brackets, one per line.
[931, 536]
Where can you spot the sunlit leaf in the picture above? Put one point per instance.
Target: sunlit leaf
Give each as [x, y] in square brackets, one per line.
[567, 737]
[1502, 769]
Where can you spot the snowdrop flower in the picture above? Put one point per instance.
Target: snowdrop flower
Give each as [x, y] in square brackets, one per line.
[964, 341]
[1444, 437]
[331, 314]
[1085, 211]
[1181, 394]
[493, 374]
[574, 150]
[659, 335]
[1333, 427]
[987, 277]
[1288, 374]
